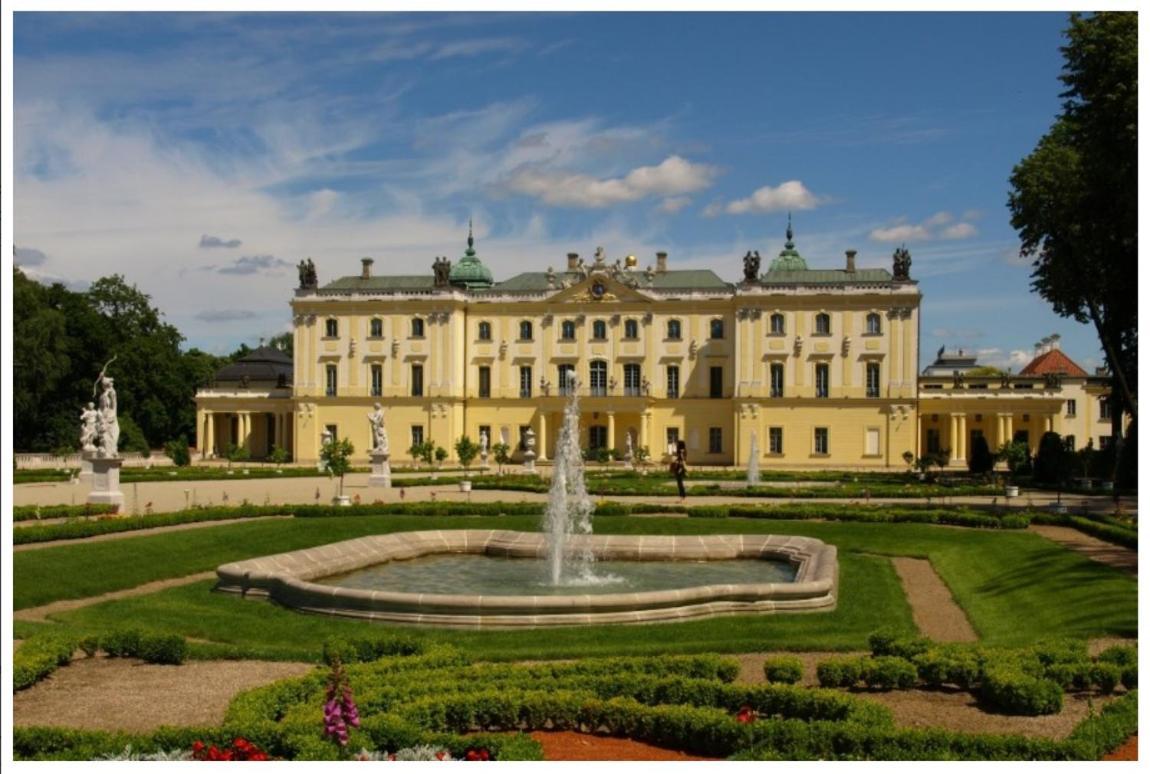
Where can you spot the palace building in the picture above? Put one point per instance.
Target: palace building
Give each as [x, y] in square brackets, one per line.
[819, 365]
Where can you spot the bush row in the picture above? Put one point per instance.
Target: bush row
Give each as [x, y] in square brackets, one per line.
[41, 654]
[783, 669]
[886, 514]
[1111, 533]
[35, 512]
[134, 643]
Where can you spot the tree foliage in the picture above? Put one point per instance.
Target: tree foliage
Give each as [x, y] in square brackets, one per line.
[1074, 199]
[60, 340]
[1054, 463]
[981, 460]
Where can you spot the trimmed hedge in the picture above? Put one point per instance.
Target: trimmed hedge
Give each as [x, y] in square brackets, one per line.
[39, 656]
[875, 514]
[783, 669]
[36, 512]
[1111, 533]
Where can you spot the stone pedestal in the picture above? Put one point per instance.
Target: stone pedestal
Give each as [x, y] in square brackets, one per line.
[106, 482]
[86, 466]
[380, 470]
[529, 451]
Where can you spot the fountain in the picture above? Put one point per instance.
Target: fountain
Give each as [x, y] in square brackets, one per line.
[753, 465]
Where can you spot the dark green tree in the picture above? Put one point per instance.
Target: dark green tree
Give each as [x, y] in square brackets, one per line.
[1074, 199]
[1054, 464]
[981, 460]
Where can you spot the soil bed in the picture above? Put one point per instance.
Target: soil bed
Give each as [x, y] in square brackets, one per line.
[573, 746]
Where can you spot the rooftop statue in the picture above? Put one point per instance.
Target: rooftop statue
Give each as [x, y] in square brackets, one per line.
[307, 275]
[751, 263]
[901, 261]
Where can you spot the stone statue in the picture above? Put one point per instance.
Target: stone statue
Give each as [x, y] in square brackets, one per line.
[600, 257]
[301, 267]
[630, 446]
[442, 269]
[483, 446]
[107, 424]
[378, 431]
[751, 263]
[88, 430]
[325, 438]
[901, 261]
[307, 275]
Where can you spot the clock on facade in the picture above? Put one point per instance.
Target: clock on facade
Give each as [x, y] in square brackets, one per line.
[598, 289]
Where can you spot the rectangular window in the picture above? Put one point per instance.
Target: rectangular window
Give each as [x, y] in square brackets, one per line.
[525, 381]
[566, 378]
[933, 441]
[376, 379]
[775, 440]
[416, 435]
[672, 440]
[1071, 408]
[715, 440]
[871, 448]
[331, 328]
[822, 380]
[822, 441]
[672, 381]
[777, 380]
[632, 380]
[417, 380]
[597, 436]
[484, 381]
[1104, 408]
[716, 381]
[598, 377]
[332, 375]
[872, 380]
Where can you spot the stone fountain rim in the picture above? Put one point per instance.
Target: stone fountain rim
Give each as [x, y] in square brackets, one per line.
[288, 578]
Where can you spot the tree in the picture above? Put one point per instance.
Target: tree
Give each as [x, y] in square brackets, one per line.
[440, 456]
[279, 455]
[178, 451]
[336, 455]
[502, 454]
[981, 460]
[422, 451]
[466, 451]
[1054, 463]
[1074, 199]
[1015, 454]
[285, 342]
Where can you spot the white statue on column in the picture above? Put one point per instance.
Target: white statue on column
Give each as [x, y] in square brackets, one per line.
[108, 425]
[483, 447]
[88, 429]
[378, 431]
[629, 457]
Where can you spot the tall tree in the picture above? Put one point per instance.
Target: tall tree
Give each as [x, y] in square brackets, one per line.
[1074, 199]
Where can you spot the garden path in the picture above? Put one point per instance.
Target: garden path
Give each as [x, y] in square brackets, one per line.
[139, 532]
[43, 612]
[934, 610]
[1099, 550]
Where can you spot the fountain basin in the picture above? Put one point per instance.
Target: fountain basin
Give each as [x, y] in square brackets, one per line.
[290, 579]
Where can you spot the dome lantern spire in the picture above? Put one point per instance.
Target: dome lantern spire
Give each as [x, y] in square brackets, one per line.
[789, 258]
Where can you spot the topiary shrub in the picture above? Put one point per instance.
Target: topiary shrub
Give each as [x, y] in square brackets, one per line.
[1105, 676]
[163, 649]
[839, 672]
[121, 644]
[1071, 676]
[1122, 655]
[1130, 677]
[887, 673]
[1006, 689]
[783, 669]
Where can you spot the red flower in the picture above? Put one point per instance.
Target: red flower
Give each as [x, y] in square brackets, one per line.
[746, 714]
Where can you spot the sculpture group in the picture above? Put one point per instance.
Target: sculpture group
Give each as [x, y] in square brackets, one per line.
[99, 425]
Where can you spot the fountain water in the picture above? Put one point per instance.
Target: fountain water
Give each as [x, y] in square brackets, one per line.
[753, 465]
[568, 505]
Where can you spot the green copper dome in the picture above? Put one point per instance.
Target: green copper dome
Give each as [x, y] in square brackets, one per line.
[789, 259]
[470, 271]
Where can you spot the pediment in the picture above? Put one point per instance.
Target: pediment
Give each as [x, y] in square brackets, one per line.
[600, 288]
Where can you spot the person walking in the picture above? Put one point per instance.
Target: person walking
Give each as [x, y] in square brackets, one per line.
[679, 468]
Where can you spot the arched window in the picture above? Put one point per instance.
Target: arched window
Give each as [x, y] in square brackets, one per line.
[331, 328]
[485, 331]
[568, 330]
[376, 328]
[630, 329]
[873, 323]
[525, 332]
[417, 327]
[778, 324]
[822, 324]
[599, 330]
[674, 329]
[716, 329]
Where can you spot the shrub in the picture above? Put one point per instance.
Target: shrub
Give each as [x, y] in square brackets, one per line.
[163, 649]
[949, 665]
[1130, 677]
[40, 656]
[178, 451]
[1008, 690]
[839, 672]
[783, 669]
[888, 672]
[1071, 676]
[1122, 655]
[981, 460]
[1105, 676]
[371, 649]
[121, 644]
[885, 642]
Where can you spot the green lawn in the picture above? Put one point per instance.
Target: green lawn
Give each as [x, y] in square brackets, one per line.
[1015, 586]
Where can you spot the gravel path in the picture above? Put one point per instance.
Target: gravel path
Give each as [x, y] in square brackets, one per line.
[934, 610]
[141, 532]
[125, 694]
[1099, 550]
[43, 612]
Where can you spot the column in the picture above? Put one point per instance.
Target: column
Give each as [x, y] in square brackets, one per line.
[1008, 427]
[999, 432]
[954, 438]
[1048, 423]
[245, 438]
[208, 444]
[961, 439]
[645, 430]
[541, 440]
[610, 429]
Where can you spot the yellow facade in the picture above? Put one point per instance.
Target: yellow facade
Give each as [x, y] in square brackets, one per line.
[659, 355]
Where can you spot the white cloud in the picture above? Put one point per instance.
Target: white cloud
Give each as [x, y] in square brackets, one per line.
[959, 231]
[674, 175]
[791, 195]
[206, 240]
[927, 230]
[903, 233]
[674, 203]
[28, 256]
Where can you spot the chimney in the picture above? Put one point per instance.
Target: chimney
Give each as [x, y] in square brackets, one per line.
[660, 263]
[572, 261]
[851, 260]
[1056, 341]
[367, 262]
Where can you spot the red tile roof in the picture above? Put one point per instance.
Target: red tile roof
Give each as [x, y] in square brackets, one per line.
[1052, 362]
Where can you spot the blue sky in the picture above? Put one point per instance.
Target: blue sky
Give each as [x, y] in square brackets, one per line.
[203, 155]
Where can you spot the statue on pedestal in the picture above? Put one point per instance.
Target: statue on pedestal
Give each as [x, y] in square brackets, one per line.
[107, 424]
[378, 431]
[483, 440]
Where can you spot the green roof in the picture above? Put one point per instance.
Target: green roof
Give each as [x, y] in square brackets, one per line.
[470, 271]
[398, 282]
[789, 258]
[825, 277]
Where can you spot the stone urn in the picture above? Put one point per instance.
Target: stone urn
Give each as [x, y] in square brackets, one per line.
[1012, 490]
[344, 501]
[465, 486]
